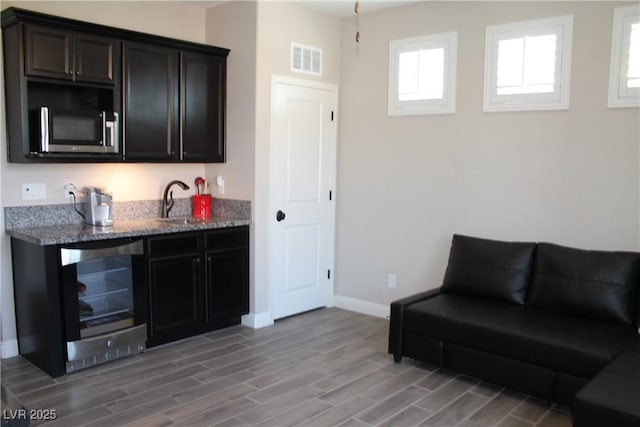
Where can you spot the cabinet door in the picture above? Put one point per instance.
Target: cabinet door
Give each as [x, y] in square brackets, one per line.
[203, 87]
[96, 58]
[227, 275]
[48, 52]
[176, 297]
[227, 284]
[150, 102]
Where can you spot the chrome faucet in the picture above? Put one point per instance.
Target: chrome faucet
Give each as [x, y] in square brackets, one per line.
[167, 197]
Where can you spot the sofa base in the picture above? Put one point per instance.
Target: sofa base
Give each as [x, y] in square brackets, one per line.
[612, 397]
[528, 378]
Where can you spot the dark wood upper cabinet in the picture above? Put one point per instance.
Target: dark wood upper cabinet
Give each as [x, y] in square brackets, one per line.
[202, 88]
[150, 102]
[48, 52]
[170, 94]
[96, 58]
[173, 113]
[69, 55]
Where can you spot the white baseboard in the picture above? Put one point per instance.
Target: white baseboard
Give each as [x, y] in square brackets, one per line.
[257, 321]
[361, 306]
[9, 348]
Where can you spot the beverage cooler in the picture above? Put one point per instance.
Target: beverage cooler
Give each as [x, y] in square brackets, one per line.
[104, 302]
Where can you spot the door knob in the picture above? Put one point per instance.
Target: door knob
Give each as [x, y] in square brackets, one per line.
[280, 216]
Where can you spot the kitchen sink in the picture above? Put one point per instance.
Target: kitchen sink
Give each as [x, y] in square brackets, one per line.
[182, 220]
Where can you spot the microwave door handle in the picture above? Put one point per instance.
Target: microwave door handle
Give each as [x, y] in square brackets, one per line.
[44, 129]
[111, 126]
[115, 142]
[104, 129]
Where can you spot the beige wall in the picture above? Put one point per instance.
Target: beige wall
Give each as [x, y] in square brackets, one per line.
[234, 25]
[279, 24]
[406, 184]
[256, 54]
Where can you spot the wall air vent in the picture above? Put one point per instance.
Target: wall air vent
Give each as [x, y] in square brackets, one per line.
[306, 59]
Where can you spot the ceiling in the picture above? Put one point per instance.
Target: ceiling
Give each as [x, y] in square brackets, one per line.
[344, 8]
[340, 8]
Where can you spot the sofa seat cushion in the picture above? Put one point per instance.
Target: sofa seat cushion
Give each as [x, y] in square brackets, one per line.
[575, 345]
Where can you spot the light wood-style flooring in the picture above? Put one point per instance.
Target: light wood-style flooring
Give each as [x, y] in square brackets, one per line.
[328, 367]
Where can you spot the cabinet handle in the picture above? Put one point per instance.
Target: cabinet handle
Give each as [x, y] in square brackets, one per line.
[70, 72]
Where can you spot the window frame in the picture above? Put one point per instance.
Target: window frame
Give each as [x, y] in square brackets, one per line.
[620, 96]
[445, 105]
[562, 27]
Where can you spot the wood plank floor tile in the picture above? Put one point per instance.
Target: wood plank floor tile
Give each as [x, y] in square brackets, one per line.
[531, 409]
[165, 390]
[396, 383]
[553, 418]
[323, 368]
[498, 407]
[283, 387]
[281, 404]
[297, 415]
[443, 395]
[218, 413]
[354, 387]
[206, 402]
[212, 387]
[511, 421]
[456, 411]
[411, 416]
[391, 405]
[151, 408]
[339, 413]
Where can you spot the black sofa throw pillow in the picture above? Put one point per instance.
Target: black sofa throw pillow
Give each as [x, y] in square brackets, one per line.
[489, 268]
[600, 285]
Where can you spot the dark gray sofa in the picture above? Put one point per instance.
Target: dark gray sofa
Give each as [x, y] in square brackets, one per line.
[536, 317]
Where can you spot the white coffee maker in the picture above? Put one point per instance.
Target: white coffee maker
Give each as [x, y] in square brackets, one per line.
[98, 207]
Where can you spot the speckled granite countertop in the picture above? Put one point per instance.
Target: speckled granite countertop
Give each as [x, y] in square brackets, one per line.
[58, 224]
[74, 233]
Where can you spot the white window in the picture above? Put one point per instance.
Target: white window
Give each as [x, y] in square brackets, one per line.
[422, 74]
[528, 65]
[624, 74]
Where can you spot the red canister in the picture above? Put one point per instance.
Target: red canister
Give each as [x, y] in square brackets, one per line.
[201, 206]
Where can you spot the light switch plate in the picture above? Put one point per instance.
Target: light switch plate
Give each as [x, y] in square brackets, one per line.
[35, 191]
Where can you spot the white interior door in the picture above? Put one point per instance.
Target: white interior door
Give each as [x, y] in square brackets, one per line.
[303, 139]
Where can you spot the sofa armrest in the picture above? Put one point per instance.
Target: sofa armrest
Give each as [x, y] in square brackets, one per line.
[397, 319]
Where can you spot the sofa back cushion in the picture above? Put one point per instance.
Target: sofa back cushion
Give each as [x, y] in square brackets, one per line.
[599, 285]
[489, 268]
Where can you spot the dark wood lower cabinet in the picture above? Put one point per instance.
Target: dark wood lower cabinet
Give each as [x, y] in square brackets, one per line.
[176, 296]
[184, 284]
[198, 282]
[227, 278]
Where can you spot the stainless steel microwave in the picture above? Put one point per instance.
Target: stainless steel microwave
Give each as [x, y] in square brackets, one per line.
[63, 131]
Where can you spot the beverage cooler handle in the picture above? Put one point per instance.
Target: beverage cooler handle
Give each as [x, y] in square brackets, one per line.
[75, 255]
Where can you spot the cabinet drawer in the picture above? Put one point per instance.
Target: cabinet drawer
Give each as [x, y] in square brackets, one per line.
[179, 243]
[227, 238]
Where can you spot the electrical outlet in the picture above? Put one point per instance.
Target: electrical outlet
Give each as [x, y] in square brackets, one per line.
[36, 191]
[391, 281]
[68, 187]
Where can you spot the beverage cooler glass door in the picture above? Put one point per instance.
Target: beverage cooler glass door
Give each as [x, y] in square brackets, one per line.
[103, 300]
